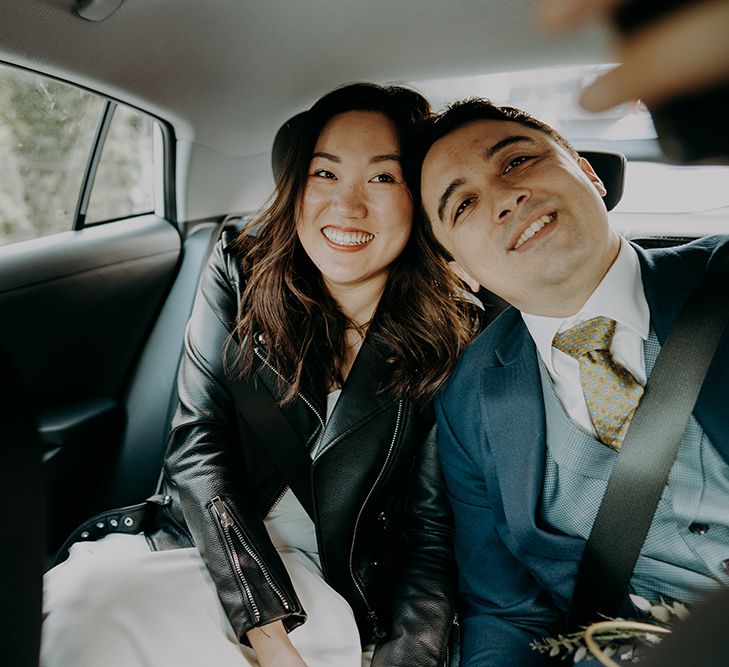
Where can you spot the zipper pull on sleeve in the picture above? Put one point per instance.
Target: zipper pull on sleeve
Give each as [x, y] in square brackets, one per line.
[222, 511]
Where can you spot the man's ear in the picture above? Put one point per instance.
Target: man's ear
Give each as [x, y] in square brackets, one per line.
[465, 276]
[594, 178]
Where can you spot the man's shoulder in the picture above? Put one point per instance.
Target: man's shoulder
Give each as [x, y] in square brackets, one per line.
[482, 354]
[484, 346]
[697, 255]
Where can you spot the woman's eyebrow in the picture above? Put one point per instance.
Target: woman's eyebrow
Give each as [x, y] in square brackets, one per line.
[326, 156]
[385, 158]
[375, 159]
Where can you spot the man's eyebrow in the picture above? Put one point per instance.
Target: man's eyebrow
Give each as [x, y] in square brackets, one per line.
[457, 183]
[490, 152]
[326, 156]
[505, 142]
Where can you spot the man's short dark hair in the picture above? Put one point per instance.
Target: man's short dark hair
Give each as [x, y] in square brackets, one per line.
[459, 114]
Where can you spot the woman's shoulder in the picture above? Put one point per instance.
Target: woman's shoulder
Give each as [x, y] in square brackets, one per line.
[230, 253]
[227, 263]
[225, 277]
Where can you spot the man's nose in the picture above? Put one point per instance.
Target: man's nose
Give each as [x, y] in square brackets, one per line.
[350, 201]
[509, 201]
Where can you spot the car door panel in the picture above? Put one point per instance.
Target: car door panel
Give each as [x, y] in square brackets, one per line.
[77, 441]
[75, 310]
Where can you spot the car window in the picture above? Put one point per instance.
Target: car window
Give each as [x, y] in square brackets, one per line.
[124, 180]
[664, 188]
[48, 131]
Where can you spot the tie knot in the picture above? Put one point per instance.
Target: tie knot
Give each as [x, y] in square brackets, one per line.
[594, 334]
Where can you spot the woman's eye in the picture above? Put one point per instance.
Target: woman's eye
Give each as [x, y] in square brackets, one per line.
[516, 162]
[462, 207]
[383, 178]
[323, 173]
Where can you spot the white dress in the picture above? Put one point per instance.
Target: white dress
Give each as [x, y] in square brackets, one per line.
[116, 603]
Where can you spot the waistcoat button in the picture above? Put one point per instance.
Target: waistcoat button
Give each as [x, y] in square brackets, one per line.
[699, 528]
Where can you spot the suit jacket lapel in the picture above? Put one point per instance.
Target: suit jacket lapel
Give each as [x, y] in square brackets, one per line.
[513, 413]
[666, 287]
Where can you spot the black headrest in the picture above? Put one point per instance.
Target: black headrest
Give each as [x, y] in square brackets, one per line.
[281, 141]
[610, 167]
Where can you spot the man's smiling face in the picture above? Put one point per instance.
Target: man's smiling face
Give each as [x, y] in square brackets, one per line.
[519, 214]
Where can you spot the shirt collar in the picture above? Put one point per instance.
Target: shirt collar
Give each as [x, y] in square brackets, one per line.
[619, 296]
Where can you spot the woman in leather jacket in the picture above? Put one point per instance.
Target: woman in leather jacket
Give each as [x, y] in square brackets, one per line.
[301, 481]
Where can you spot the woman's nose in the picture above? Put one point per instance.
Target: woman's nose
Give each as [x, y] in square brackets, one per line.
[350, 201]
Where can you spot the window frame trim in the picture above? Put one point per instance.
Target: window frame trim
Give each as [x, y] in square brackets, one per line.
[92, 164]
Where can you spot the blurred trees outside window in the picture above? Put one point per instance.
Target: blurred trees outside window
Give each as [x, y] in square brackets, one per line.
[47, 131]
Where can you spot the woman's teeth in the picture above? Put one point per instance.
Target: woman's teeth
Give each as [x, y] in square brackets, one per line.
[346, 238]
[532, 229]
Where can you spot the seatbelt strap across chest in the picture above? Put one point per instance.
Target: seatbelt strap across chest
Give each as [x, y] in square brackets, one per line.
[647, 454]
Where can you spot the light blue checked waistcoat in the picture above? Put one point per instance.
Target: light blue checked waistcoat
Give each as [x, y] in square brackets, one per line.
[681, 558]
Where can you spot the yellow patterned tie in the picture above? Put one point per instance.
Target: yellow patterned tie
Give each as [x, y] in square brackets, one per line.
[611, 392]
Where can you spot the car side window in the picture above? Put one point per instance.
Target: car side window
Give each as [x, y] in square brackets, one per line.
[54, 140]
[125, 177]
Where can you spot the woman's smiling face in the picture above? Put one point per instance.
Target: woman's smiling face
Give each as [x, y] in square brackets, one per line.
[356, 212]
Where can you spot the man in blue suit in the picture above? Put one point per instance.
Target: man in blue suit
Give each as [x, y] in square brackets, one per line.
[525, 442]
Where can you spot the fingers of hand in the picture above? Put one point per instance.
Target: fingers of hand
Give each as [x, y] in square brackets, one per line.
[559, 16]
[685, 51]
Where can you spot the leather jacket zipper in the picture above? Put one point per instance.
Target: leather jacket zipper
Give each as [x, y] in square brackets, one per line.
[278, 499]
[229, 526]
[257, 351]
[371, 615]
[454, 624]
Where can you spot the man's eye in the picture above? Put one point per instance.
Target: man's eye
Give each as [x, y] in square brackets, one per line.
[383, 178]
[462, 207]
[323, 173]
[516, 162]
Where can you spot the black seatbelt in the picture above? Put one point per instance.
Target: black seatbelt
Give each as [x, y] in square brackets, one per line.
[647, 454]
[278, 439]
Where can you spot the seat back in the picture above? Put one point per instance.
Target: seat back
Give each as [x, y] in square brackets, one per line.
[132, 473]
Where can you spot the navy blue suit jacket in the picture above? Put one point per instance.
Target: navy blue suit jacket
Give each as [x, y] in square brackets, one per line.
[516, 578]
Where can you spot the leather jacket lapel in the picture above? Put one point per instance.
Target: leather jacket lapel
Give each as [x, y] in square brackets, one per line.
[306, 416]
[357, 402]
[359, 399]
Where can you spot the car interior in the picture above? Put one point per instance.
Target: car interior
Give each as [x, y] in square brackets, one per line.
[134, 134]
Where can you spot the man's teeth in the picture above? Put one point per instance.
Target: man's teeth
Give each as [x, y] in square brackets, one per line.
[346, 238]
[532, 229]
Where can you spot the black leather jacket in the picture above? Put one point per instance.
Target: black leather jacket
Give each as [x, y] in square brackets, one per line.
[383, 524]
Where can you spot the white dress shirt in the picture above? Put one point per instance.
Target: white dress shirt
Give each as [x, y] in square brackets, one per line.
[620, 297]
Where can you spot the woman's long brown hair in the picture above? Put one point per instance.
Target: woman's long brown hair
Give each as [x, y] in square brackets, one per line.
[421, 319]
